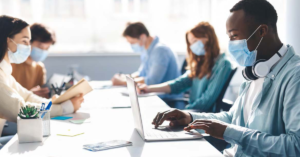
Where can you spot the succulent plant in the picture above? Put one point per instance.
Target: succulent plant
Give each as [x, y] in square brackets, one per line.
[28, 112]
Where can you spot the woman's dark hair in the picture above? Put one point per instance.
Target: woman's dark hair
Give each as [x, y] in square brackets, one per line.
[9, 27]
[135, 30]
[201, 66]
[42, 33]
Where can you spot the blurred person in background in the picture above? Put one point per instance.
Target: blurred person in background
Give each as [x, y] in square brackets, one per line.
[208, 70]
[32, 73]
[15, 37]
[158, 62]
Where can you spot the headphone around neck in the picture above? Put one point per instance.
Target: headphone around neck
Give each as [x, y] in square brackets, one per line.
[261, 68]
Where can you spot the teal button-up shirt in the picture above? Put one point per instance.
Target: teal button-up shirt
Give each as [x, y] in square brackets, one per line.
[273, 127]
[204, 91]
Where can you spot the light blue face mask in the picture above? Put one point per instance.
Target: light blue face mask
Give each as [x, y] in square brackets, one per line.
[20, 56]
[198, 48]
[240, 52]
[38, 54]
[137, 48]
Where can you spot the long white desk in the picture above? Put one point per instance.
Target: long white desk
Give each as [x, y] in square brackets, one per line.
[108, 124]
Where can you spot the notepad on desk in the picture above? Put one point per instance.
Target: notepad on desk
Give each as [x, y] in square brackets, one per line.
[70, 133]
[82, 86]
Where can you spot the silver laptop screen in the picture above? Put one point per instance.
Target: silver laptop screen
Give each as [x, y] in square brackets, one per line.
[135, 105]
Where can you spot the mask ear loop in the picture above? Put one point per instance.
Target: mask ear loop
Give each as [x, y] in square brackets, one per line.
[259, 43]
[13, 42]
[254, 32]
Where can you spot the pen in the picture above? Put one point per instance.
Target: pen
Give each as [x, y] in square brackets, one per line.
[54, 89]
[47, 108]
[63, 85]
[62, 82]
[49, 105]
[43, 107]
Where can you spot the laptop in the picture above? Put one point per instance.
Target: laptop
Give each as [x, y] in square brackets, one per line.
[148, 132]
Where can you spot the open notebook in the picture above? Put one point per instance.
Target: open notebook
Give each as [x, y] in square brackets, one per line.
[82, 86]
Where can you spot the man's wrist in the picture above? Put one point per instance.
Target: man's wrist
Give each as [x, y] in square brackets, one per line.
[191, 117]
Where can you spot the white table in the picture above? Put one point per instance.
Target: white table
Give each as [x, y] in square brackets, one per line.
[108, 124]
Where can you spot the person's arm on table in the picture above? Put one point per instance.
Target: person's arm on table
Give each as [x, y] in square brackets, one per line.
[176, 86]
[11, 102]
[178, 117]
[72, 105]
[56, 109]
[163, 88]
[215, 86]
[135, 74]
[119, 80]
[140, 80]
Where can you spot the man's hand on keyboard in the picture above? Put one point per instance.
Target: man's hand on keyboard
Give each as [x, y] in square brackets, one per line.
[176, 117]
[213, 127]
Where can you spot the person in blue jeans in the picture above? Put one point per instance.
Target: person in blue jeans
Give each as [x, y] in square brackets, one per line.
[208, 70]
[264, 120]
[158, 62]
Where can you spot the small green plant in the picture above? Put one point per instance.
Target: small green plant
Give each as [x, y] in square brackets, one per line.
[28, 112]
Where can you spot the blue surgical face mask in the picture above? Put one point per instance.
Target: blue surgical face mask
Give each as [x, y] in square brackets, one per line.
[20, 56]
[240, 52]
[137, 48]
[198, 48]
[38, 54]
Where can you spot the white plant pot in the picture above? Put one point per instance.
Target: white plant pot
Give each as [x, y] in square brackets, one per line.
[30, 130]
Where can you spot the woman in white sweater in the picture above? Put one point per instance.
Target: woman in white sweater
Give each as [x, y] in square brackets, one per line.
[15, 47]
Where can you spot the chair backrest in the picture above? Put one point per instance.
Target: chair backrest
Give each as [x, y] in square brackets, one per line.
[219, 100]
[184, 64]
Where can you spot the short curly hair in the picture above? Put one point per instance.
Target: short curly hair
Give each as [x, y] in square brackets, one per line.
[42, 33]
[261, 10]
[135, 30]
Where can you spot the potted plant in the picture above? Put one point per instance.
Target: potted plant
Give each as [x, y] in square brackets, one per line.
[30, 126]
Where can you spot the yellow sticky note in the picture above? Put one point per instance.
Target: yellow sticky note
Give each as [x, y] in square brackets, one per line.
[71, 133]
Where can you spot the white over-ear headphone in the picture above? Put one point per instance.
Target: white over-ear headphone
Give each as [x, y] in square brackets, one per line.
[261, 68]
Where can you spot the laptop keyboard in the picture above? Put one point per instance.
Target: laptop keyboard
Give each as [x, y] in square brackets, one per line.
[160, 134]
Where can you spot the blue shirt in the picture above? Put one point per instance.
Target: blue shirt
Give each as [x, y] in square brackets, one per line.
[273, 127]
[159, 64]
[205, 91]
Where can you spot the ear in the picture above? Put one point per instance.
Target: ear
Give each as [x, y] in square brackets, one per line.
[8, 40]
[264, 29]
[143, 36]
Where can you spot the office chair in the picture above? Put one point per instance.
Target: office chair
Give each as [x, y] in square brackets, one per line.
[223, 105]
[183, 68]
[220, 104]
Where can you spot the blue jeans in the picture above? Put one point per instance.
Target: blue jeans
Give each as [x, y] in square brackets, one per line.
[8, 133]
[11, 129]
[5, 139]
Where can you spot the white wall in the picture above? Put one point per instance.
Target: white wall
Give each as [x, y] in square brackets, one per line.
[96, 65]
[293, 24]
